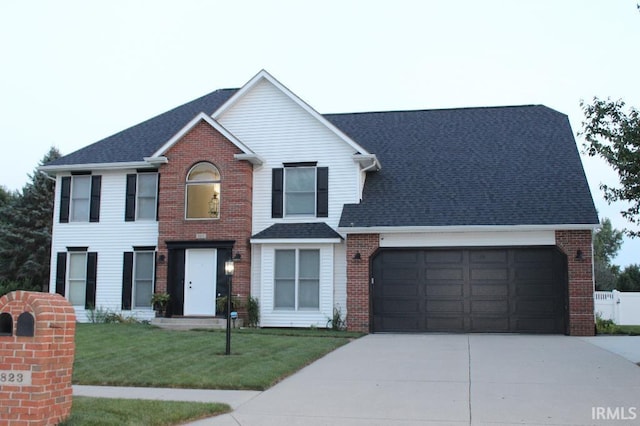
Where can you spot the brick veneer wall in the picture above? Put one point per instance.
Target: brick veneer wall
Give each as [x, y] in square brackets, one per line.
[581, 286]
[358, 275]
[204, 143]
[48, 355]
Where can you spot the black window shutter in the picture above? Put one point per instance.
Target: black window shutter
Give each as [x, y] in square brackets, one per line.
[158, 198]
[65, 199]
[92, 271]
[127, 280]
[277, 192]
[322, 192]
[94, 209]
[61, 272]
[130, 207]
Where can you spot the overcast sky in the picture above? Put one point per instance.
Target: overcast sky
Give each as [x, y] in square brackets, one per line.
[74, 72]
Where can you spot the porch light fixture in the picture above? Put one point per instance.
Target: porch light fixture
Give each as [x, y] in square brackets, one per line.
[214, 205]
[579, 255]
[357, 256]
[228, 271]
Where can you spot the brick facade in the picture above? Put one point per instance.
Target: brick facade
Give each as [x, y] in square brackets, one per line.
[358, 275]
[581, 285]
[204, 143]
[47, 353]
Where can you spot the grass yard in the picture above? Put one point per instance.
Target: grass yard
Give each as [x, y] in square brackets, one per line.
[119, 412]
[142, 355]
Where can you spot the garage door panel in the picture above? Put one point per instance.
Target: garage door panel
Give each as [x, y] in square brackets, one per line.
[434, 290]
[470, 290]
[448, 306]
[443, 323]
[488, 256]
[443, 274]
[444, 256]
[489, 289]
[495, 274]
[406, 288]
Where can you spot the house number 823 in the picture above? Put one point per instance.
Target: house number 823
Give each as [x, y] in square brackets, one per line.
[15, 378]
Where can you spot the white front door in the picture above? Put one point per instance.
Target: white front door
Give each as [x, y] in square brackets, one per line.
[200, 282]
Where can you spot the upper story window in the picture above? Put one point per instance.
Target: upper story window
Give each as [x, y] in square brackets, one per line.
[80, 198]
[142, 196]
[300, 189]
[203, 192]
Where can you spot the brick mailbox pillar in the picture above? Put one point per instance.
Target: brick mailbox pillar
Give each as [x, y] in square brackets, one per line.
[37, 348]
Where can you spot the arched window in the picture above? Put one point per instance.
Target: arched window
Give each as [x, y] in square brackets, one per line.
[203, 192]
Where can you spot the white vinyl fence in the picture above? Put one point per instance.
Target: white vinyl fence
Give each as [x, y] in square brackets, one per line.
[621, 307]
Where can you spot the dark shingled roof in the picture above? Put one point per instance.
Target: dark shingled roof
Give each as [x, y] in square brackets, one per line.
[144, 139]
[472, 166]
[318, 230]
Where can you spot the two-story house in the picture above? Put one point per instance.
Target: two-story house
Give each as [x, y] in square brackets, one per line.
[475, 219]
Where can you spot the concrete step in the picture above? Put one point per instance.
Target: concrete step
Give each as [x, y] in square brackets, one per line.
[189, 323]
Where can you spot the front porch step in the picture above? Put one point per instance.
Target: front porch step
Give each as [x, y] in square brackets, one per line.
[189, 323]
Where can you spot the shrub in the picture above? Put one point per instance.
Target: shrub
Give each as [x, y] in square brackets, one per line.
[336, 322]
[253, 311]
[604, 326]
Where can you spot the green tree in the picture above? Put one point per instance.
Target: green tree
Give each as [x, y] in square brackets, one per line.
[25, 232]
[614, 135]
[606, 244]
[629, 279]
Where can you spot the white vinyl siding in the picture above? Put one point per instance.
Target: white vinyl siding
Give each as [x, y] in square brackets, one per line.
[468, 239]
[110, 238]
[281, 131]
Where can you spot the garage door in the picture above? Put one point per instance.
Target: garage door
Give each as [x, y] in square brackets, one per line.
[469, 290]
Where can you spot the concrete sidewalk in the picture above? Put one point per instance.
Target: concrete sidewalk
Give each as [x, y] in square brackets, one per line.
[434, 379]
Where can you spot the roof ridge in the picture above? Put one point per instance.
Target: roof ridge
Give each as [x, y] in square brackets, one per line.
[437, 109]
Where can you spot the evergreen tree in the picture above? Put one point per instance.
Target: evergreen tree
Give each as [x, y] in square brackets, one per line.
[25, 232]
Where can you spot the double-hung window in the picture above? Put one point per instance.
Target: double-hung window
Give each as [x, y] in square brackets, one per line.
[142, 196]
[77, 278]
[76, 273]
[80, 198]
[297, 279]
[138, 278]
[300, 190]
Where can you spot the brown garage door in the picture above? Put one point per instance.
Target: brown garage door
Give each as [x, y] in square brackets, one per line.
[469, 290]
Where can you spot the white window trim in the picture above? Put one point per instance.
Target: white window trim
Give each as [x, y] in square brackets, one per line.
[71, 255]
[315, 194]
[155, 198]
[188, 183]
[134, 280]
[73, 200]
[296, 300]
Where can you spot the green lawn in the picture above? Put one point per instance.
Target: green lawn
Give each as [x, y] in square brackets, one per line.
[119, 412]
[142, 355]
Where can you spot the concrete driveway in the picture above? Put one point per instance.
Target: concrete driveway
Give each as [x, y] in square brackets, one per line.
[442, 379]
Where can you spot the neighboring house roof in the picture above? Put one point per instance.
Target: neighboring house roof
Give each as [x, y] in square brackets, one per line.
[313, 231]
[469, 167]
[144, 139]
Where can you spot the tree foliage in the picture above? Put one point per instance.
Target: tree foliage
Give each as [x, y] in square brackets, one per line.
[629, 279]
[25, 232]
[614, 135]
[606, 244]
